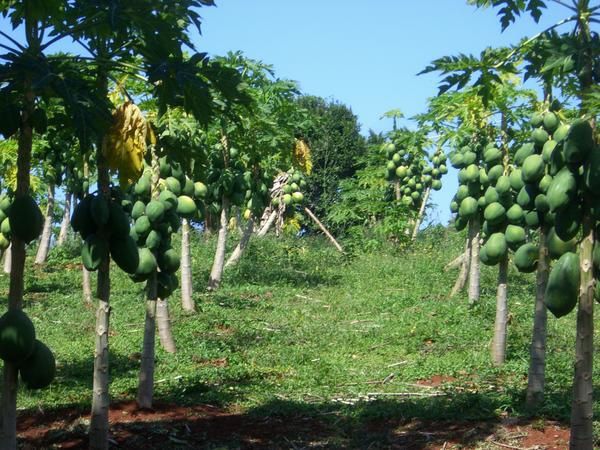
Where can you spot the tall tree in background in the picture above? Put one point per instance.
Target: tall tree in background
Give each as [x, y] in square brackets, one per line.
[336, 146]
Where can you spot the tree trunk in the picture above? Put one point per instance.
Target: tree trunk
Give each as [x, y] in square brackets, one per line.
[324, 230]
[146, 377]
[66, 220]
[461, 280]
[86, 282]
[582, 436]
[8, 259]
[421, 214]
[397, 192]
[100, 396]
[500, 325]
[268, 224]
[164, 326]
[474, 273]
[187, 301]
[216, 272]
[44, 246]
[537, 363]
[242, 245]
[16, 286]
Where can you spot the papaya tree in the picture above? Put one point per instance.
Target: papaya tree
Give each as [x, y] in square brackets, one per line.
[571, 197]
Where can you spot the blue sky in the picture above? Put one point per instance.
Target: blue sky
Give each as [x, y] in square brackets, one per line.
[364, 54]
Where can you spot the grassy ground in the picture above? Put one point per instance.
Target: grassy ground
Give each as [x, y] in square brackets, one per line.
[298, 328]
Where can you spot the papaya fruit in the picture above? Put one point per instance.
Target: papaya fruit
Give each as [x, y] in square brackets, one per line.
[99, 210]
[515, 236]
[561, 133]
[169, 200]
[142, 226]
[153, 240]
[200, 190]
[39, 369]
[547, 150]
[118, 222]
[563, 285]
[138, 210]
[526, 196]
[496, 247]
[567, 221]
[562, 190]
[550, 122]
[533, 169]
[503, 185]
[147, 263]
[4, 242]
[164, 167]
[186, 207]
[169, 261]
[173, 185]
[142, 187]
[532, 219]
[166, 284]
[523, 152]
[491, 195]
[492, 156]
[495, 173]
[484, 258]
[526, 258]
[155, 211]
[537, 120]
[494, 213]
[544, 183]
[26, 219]
[124, 252]
[515, 214]
[579, 141]
[17, 336]
[5, 227]
[468, 208]
[93, 251]
[539, 137]
[591, 173]
[516, 180]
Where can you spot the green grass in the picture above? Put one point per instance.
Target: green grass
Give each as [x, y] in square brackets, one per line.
[298, 327]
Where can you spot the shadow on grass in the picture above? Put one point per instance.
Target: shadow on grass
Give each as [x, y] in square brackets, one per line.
[461, 419]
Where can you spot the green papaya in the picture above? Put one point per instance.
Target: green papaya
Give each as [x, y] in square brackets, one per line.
[186, 207]
[155, 211]
[496, 247]
[138, 210]
[532, 219]
[503, 185]
[591, 173]
[533, 169]
[200, 190]
[557, 247]
[523, 152]
[579, 142]
[561, 133]
[173, 185]
[563, 285]
[39, 369]
[515, 236]
[147, 263]
[99, 210]
[544, 183]
[468, 208]
[547, 150]
[495, 173]
[118, 222]
[124, 252]
[142, 187]
[515, 214]
[169, 261]
[562, 190]
[491, 195]
[5, 227]
[567, 221]
[516, 180]
[17, 336]
[539, 137]
[551, 122]
[93, 251]
[526, 258]
[526, 196]
[494, 213]
[142, 226]
[26, 219]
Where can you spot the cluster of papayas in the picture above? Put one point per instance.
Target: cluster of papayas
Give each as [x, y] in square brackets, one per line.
[18, 345]
[478, 168]
[244, 185]
[291, 192]
[412, 171]
[103, 223]
[5, 230]
[559, 168]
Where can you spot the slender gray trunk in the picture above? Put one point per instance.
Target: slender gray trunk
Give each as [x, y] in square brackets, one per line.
[268, 224]
[86, 282]
[463, 274]
[501, 323]
[66, 220]
[44, 246]
[146, 376]
[421, 214]
[216, 272]
[582, 433]
[474, 273]
[100, 396]
[187, 301]
[16, 287]
[537, 363]
[8, 259]
[164, 326]
[241, 247]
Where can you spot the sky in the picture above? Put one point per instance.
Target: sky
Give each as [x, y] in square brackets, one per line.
[363, 54]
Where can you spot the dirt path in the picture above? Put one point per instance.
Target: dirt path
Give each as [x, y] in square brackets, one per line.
[175, 427]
